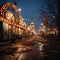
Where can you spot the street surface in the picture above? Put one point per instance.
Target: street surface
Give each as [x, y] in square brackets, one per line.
[31, 48]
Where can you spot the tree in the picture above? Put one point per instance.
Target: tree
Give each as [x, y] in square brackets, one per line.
[51, 10]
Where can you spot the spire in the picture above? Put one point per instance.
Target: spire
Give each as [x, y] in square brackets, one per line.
[32, 25]
[45, 21]
[32, 21]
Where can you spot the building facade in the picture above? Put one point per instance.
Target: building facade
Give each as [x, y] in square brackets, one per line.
[10, 24]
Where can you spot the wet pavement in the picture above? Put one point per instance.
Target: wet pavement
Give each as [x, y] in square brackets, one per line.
[33, 48]
[40, 52]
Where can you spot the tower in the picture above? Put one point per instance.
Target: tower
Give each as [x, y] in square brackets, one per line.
[45, 21]
[32, 25]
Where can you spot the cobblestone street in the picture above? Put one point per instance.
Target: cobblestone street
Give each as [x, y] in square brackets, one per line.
[31, 48]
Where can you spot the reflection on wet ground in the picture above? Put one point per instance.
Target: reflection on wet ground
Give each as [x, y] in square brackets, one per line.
[40, 51]
[34, 50]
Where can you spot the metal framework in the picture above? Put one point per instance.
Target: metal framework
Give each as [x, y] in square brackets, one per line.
[4, 7]
[9, 4]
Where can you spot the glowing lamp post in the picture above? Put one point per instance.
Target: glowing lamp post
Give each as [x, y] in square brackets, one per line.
[19, 9]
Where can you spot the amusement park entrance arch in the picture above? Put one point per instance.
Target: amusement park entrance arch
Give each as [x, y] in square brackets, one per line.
[10, 22]
[4, 7]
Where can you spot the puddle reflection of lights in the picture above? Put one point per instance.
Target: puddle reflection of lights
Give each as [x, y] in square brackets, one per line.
[22, 56]
[41, 47]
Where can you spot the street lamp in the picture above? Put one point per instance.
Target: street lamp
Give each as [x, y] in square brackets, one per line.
[41, 24]
[19, 9]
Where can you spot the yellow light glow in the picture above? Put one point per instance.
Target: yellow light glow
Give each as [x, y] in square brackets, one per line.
[28, 28]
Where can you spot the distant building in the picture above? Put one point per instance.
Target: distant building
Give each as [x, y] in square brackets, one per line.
[32, 25]
[45, 21]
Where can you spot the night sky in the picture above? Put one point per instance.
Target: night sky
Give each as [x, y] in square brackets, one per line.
[29, 9]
